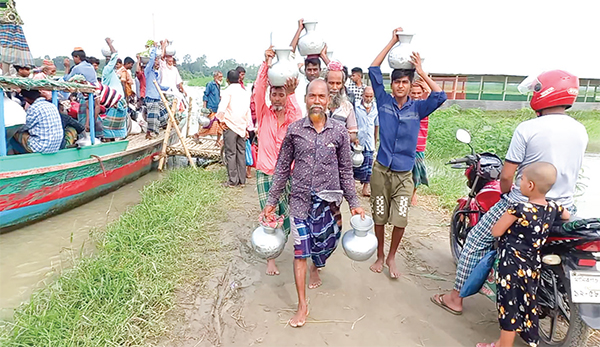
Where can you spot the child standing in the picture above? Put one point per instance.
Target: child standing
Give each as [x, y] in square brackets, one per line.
[523, 230]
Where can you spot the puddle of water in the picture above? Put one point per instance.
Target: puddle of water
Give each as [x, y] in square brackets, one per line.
[29, 255]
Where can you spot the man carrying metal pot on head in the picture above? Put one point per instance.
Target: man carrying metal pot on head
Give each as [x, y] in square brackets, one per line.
[272, 124]
[312, 66]
[552, 137]
[322, 177]
[399, 119]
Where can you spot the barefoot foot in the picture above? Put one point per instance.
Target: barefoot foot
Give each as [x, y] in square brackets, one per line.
[299, 319]
[314, 280]
[377, 267]
[391, 263]
[272, 269]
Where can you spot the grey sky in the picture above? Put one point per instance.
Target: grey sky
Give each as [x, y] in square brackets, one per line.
[460, 36]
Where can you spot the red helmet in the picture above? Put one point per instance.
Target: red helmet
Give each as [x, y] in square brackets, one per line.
[552, 88]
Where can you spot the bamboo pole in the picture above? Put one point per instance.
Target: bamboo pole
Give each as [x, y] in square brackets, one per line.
[187, 122]
[174, 124]
[163, 152]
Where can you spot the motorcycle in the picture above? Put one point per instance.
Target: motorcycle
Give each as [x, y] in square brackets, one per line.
[483, 173]
[569, 289]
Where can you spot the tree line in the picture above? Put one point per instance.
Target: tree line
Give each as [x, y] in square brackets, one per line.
[188, 68]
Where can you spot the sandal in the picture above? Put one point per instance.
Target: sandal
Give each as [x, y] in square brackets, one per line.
[440, 302]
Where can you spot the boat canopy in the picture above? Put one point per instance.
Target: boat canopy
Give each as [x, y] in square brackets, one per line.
[9, 83]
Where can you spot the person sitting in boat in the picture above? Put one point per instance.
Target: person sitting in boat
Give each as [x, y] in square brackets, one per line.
[43, 130]
[48, 70]
[115, 122]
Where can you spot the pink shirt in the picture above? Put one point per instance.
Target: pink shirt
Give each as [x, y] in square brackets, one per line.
[270, 133]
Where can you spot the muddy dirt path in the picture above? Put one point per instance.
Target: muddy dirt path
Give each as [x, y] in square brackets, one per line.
[242, 306]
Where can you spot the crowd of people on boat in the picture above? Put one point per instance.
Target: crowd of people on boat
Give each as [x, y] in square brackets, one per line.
[125, 99]
[305, 131]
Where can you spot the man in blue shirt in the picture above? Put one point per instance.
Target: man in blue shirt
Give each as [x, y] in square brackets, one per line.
[82, 67]
[212, 93]
[368, 126]
[399, 122]
[156, 109]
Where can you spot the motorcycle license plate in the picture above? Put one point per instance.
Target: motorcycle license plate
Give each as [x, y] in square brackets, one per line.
[585, 287]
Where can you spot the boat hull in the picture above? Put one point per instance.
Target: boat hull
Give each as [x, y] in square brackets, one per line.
[31, 195]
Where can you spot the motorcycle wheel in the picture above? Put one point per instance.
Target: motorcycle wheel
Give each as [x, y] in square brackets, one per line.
[562, 326]
[456, 242]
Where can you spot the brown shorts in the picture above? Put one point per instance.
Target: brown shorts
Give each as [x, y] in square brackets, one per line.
[391, 192]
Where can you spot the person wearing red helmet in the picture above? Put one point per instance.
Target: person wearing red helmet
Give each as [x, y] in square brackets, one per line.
[552, 137]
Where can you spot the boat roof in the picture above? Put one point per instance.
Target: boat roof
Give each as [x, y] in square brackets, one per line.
[8, 83]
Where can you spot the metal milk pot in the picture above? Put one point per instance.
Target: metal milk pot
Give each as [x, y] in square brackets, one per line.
[268, 242]
[399, 56]
[357, 157]
[360, 243]
[283, 69]
[311, 42]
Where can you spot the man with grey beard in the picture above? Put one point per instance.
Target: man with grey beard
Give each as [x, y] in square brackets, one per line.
[339, 106]
[319, 148]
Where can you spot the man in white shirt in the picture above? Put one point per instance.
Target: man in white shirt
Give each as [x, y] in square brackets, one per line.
[551, 137]
[234, 112]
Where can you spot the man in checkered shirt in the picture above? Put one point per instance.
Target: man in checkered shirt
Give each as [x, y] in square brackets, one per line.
[355, 87]
[43, 131]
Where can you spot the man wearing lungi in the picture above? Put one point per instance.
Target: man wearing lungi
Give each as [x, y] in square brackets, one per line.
[399, 120]
[319, 147]
[368, 128]
[273, 122]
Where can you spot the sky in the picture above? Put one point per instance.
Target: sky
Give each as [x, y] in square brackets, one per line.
[516, 37]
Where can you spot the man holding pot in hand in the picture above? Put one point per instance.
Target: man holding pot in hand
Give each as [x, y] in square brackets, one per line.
[399, 121]
[272, 125]
[319, 147]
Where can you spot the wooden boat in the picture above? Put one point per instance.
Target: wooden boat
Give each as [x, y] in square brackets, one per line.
[35, 186]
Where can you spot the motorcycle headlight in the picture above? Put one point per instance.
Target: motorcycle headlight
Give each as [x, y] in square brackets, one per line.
[551, 259]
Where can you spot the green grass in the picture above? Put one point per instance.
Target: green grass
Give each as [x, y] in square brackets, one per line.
[199, 81]
[120, 295]
[491, 131]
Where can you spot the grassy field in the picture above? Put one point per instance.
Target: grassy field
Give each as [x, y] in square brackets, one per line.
[120, 295]
[491, 131]
[199, 81]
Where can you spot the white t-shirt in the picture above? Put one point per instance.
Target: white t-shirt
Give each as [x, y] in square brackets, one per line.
[301, 93]
[169, 76]
[557, 139]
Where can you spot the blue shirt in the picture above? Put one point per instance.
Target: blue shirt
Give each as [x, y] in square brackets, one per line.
[110, 77]
[399, 126]
[151, 76]
[366, 125]
[84, 68]
[212, 95]
[44, 125]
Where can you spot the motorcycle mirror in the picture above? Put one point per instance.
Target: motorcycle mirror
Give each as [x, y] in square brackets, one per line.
[463, 136]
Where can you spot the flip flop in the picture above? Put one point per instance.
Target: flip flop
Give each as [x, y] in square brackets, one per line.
[443, 305]
[486, 344]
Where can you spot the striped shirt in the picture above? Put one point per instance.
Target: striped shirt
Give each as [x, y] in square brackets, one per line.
[422, 139]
